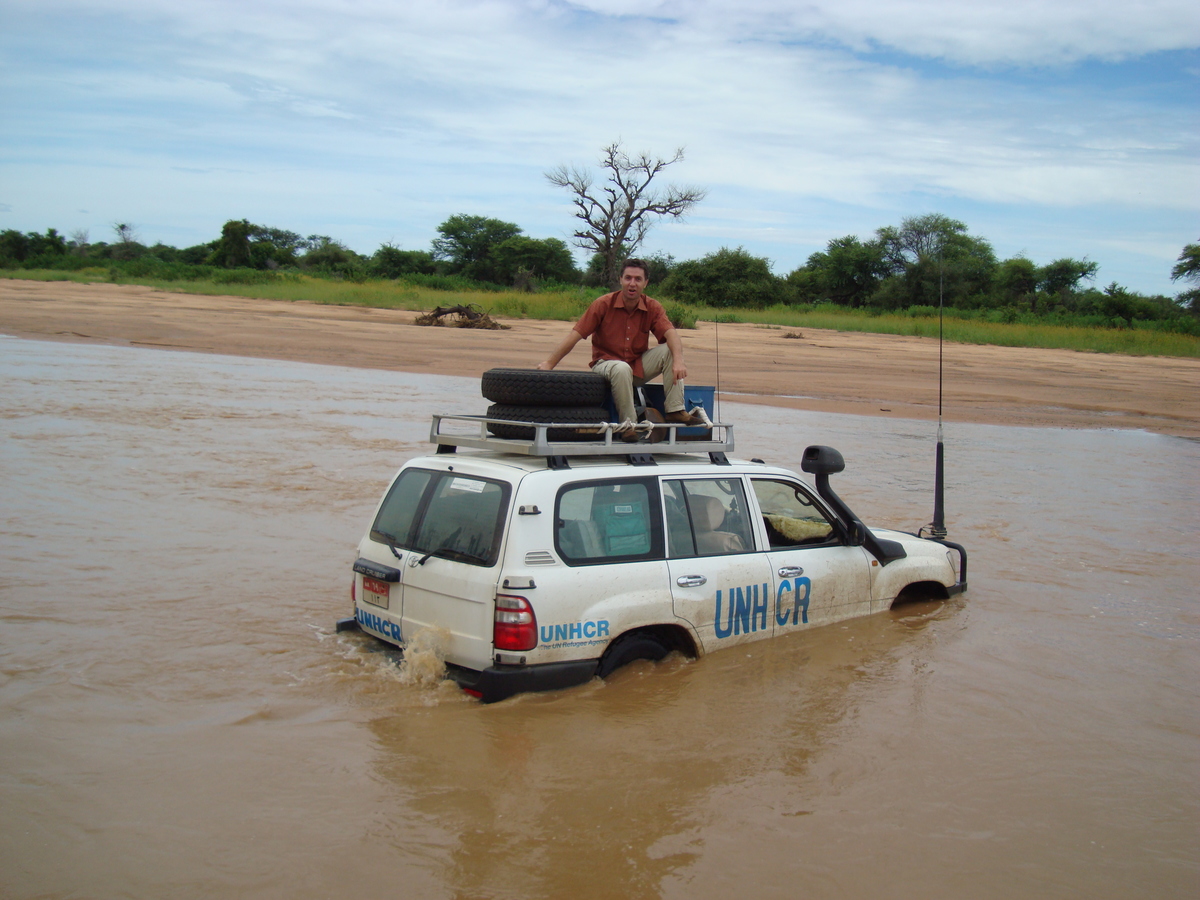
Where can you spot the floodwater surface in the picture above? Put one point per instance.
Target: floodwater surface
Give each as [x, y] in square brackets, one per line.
[179, 719]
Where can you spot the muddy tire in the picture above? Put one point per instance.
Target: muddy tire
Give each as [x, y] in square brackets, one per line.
[587, 415]
[630, 647]
[534, 387]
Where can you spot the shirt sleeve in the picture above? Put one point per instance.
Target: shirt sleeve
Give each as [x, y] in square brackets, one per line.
[660, 323]
[592, 317]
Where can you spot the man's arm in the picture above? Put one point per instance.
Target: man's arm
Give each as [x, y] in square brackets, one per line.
[568, 343]
[675, 345]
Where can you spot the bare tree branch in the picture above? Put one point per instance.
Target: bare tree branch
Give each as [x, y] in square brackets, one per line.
[616, 216]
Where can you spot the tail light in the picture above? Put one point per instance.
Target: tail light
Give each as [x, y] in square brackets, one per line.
[515, 627]
[353, 595]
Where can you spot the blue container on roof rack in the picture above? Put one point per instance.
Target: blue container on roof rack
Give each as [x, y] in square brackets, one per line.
[702, 395]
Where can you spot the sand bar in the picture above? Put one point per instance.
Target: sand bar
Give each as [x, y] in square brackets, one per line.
[844, 372]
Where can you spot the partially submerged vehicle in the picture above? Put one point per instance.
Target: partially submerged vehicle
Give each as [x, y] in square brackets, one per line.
[545, 562]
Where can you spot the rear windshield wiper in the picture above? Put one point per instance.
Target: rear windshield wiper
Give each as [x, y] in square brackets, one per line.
[390, 540]
[448, 551]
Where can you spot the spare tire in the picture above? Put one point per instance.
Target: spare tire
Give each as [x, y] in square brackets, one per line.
[584, 415]
[536, 387]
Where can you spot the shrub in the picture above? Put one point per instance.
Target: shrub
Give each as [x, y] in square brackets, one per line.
[681, 316]
[448, 283]
[523, 261]
[724, 279]
[919, 312]
[392, 262]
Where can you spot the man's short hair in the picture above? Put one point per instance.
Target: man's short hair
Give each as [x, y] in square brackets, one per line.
[636, 264]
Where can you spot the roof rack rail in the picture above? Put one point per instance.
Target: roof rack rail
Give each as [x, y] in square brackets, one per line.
[472, 432]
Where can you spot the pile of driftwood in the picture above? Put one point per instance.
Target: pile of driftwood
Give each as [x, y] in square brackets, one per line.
[460, 317]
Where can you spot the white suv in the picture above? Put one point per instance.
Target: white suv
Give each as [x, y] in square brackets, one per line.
[544, 564]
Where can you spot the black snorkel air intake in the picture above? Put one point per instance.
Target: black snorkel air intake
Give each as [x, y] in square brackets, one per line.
[822, 462]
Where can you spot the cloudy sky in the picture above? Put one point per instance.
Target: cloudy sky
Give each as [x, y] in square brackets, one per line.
[1064, 128]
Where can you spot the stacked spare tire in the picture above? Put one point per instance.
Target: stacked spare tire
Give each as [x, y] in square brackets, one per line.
[577, 399]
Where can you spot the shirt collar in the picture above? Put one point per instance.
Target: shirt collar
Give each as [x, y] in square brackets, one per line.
[616, 301]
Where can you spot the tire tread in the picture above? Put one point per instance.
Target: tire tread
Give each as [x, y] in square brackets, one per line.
[536, 387]
[585, 415]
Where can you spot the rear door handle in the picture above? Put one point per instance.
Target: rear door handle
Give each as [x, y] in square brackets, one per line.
[790, 571]
[691, 580]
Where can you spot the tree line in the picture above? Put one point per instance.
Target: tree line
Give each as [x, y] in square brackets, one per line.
[930, 262]
[484, 251]
[926, 262]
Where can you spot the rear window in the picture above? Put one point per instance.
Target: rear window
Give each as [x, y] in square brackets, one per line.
[608, 521]
[459, 517]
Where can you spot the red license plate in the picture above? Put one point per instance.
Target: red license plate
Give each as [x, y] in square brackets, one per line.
[375, 591]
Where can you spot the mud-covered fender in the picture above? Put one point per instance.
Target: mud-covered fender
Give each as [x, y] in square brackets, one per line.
[926, 561]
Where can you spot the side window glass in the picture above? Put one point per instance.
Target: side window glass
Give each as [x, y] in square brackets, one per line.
[707, 517]
[680, 541]
[791, 517]
[606, 521]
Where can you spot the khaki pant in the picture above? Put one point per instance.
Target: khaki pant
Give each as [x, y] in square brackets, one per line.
[655, 361]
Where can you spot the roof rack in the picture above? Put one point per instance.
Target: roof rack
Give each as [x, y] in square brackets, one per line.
[472, 432]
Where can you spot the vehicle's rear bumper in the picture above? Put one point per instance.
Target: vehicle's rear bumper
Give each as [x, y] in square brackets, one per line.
[497, 682]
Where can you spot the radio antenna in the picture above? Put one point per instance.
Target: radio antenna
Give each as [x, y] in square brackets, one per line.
[937, 527]
[717, 388]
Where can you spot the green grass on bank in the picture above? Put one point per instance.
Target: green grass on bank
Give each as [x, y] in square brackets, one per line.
[1130, 341]
[566, 306]
[569, 304]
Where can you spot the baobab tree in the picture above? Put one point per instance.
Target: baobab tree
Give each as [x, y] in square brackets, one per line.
[617, 213]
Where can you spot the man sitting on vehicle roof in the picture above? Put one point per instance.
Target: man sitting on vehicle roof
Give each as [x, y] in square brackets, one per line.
[620, 325]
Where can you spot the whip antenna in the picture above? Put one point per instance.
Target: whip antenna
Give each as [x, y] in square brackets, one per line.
[717, 387]
[937, 527]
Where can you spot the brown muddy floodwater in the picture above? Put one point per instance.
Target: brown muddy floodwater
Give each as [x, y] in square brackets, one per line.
[178, 719]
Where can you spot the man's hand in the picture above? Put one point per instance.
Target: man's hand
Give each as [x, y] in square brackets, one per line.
[573, 337]
[678, 369]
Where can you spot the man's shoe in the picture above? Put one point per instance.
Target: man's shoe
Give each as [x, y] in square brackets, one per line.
[692, 420]
[625, 431]
[683, 417]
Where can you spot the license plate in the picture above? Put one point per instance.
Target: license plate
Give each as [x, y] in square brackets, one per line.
[375, 591]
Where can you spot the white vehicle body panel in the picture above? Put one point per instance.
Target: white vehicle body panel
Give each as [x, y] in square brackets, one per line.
[581, 609]
[731, 605]
[456, 599]
[819, 585]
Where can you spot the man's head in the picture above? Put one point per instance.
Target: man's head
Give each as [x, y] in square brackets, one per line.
[633, 279]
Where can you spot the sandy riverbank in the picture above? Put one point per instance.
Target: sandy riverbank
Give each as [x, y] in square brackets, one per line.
[844, 372]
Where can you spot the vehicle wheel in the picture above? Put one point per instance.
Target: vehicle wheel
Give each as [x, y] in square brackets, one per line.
[535, 387]
[587, 415]
[628, 648]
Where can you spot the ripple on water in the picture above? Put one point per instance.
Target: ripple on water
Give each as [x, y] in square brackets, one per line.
[177, 716]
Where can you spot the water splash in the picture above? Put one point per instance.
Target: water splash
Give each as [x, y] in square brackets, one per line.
[424, 660]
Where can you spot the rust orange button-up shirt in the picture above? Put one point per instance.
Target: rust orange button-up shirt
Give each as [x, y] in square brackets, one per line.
[618, 333]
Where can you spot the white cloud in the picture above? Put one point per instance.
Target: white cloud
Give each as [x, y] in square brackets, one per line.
[379, 109]
[1015, 32]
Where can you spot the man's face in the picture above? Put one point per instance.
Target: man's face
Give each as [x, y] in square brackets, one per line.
[633, 282]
